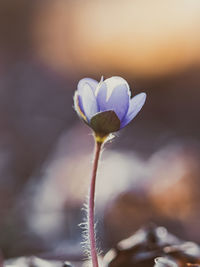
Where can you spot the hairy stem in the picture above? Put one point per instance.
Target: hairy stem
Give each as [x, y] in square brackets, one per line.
[91, 223]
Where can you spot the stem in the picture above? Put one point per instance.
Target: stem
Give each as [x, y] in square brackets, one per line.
[91, 205]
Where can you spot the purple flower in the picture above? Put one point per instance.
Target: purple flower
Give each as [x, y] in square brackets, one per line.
[106, 106]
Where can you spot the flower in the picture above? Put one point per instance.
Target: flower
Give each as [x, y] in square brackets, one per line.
[106, 106]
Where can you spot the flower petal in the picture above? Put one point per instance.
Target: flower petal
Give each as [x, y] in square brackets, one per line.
[93, 83]
[114, 94]
[135, 106]
[87, 101]
[78, 106]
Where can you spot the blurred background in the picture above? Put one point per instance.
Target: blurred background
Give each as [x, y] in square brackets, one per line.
[151, 169]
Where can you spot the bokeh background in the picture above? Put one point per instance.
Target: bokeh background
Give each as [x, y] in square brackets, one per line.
[149, 173]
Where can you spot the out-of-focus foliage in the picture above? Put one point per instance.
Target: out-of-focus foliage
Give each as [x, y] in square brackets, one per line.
[153, 244]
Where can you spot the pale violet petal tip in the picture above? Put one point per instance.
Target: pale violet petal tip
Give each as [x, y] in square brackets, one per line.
[135, 105]
[88, 101]
[118, 101]
[115, 81]
[93, 83]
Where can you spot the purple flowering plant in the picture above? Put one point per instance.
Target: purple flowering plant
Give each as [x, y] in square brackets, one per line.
[106, 107]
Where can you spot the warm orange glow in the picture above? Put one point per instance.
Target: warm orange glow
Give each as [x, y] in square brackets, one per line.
[138, 37]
